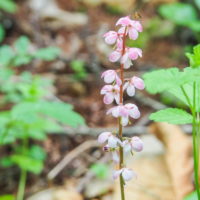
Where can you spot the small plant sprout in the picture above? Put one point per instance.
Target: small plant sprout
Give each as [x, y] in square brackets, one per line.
[118, 145]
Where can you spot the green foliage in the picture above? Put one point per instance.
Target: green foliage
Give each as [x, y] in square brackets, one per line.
[182, 14]
[8, 6]
[2, 33]
[47, 54]
[78, 67]
[21, 53]
[7, 197]
[100, 170]
[31, 116]
[172, 116]
[195, 57]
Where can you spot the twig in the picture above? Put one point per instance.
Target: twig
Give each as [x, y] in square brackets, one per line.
[70, 156]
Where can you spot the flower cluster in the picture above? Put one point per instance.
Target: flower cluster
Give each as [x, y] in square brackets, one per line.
[114, 89]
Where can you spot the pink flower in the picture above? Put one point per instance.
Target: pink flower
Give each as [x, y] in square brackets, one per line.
[132, 27]
[135, 144]
[111, 37]
[125, 111]
[135, 82]
[110, 76]
[110, 138]
[126, 173]
[130, 54]
[115, 55]
[111, 93]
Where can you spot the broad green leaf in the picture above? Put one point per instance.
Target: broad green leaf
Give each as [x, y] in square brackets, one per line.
[22, 44]
[165, 79]
[195, 57]
[6, 55]
[179, 13]
[191, 196]
[8, 6]
[172, 116]
[37, 152]
[22, 60]
[27, 163]
[25, 112]
[7, 197]
[2, 33]
[47, 54]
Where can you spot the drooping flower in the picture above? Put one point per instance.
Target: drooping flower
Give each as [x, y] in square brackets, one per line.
[134, 144]
[126, 173]
[111, 37]
[110, 138]
[135, 82]
[130, 54]
[125, 111]
[132, 27]
[110, 76]
[110, 93]
[115, 55]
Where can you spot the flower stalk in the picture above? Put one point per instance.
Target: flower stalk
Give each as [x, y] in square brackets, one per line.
[118, 145]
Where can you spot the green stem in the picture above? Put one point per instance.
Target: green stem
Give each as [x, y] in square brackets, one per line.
[23, 174]
[22, 184]
[195, 137]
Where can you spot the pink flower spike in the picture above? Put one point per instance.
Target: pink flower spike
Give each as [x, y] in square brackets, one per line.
[137, 144]
[111, 93]
[115, 56]
[110, 76]
[111, 37]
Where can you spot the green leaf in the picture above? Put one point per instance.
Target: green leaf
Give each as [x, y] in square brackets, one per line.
[2, 33]
[62, 112]
[7, 197]
[172, 116]
[195, 57]
[37, 152]
[22, 60]
[22, 44]
[165, 79]
[6, 55]
[179, 13]
[192, 196]
[27, 163]
[100, 170]
[47, 54]
[6, 162]
[8, 6]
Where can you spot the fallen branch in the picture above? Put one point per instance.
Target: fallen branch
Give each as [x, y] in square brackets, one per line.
[70, 156]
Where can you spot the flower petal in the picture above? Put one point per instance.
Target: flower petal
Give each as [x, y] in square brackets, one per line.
[114, 56]
[103, 137]
[128, 174]
[137, 144]
[130, 90]
[108, 98]
[112, 141]
[124, 121]
[117, 173]
[138, 83]
[133, 34]
[115, 157]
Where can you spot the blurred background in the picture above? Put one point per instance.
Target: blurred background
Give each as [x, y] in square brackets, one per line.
[51, 57]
